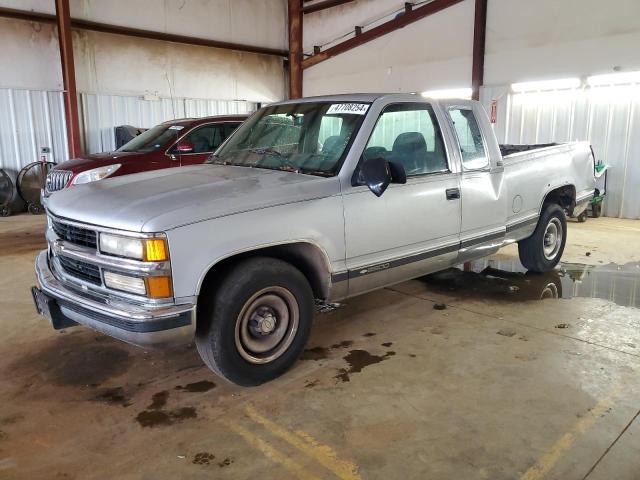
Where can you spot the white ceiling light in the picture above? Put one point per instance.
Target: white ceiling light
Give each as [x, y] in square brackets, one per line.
[614, 79]
[449, 93]
[560, 84]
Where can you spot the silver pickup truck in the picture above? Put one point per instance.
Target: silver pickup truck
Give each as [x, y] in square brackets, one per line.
[313, 200]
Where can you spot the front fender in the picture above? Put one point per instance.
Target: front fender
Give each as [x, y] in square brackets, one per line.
[196, 248]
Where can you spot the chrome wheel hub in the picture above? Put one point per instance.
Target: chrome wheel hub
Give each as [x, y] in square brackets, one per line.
[263, 322]
[552, 240]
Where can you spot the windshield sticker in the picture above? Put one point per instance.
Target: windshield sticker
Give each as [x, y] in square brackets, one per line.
[176, 127]
[348, 108]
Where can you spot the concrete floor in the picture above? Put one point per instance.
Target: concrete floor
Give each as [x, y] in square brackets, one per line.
[494, 386]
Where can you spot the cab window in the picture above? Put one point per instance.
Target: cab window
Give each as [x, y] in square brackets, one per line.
[409, 135]
[469, 137]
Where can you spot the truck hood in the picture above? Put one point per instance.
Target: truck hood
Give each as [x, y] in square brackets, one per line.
[164, 199]
[95, 160]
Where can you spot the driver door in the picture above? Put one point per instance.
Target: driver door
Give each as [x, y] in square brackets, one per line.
[412, 229]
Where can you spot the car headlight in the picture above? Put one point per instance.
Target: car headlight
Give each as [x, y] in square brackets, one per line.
[95, 174]
[152, 287]
[147, 249]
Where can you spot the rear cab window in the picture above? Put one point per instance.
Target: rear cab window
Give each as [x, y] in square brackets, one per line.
[470, 142]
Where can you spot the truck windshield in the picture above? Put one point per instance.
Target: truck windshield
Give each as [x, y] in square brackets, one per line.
[153, 139]
[310, 138]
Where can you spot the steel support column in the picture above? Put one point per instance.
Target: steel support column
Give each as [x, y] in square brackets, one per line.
[68, 77]
[295, 48]
[479, 35]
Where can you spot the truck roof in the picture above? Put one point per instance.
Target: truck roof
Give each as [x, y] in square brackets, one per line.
[366, 97]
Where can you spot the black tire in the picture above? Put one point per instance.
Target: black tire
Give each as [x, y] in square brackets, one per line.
[264, 288]
[582, 217]
[5, 211]
[596, 210]
[532, 251]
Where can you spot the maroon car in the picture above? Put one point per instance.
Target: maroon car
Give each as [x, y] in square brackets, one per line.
[174, 143]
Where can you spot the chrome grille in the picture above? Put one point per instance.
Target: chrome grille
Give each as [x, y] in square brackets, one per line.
[82, 270]
[75, 235]
[57, 180]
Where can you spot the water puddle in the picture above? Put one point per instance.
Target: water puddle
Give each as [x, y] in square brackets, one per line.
[509, 280]
[358, 360]
[155, 415]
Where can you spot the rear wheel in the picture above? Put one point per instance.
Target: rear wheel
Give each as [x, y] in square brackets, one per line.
[542, 251]
[255, 324]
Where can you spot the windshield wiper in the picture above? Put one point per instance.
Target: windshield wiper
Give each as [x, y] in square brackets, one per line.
[266, 151]
[319, 173]
[216, 160]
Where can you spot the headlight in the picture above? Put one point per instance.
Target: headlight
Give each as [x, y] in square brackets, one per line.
[125, 283]
[152, 287]
[147, 249]
[95, 174]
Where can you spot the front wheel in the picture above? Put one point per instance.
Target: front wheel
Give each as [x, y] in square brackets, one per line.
[542, 251]
[255, 324]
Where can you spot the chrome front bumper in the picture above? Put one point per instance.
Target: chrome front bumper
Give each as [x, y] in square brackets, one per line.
[139, 325]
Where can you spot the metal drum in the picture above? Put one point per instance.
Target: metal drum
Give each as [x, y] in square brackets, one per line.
[6, 194]
[30, 182]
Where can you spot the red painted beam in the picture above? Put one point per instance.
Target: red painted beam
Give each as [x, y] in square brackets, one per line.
[68, 77]
[295, 48]
[316, 7]
[367, 35]
[479, 37]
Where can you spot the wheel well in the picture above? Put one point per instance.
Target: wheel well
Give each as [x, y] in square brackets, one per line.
[564, 196]
[306, 257]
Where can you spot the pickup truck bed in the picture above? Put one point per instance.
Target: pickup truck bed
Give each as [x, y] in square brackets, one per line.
[510, 149]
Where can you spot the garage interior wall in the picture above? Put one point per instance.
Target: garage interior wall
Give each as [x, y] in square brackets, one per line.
[583, 38]
[114, 73]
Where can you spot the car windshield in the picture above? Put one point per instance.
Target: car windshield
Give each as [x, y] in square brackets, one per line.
[153, 139]
[309, 138]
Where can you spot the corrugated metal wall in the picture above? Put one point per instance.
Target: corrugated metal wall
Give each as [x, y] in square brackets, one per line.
[607, 117]
[100, 113]
[33, 119]
[30, 120]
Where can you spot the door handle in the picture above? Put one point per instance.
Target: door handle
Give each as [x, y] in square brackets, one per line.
[452, 193]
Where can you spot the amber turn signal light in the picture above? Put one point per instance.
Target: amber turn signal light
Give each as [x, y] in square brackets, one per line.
[158, 287]
[155, 250]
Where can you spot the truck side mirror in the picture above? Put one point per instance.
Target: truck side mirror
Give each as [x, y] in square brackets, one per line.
[377, 173]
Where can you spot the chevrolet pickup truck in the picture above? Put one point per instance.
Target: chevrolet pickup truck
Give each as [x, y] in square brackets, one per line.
[309, 201]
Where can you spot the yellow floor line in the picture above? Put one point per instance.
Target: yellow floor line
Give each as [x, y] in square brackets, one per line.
[549, 460]
[323, 454]
[270, 452]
